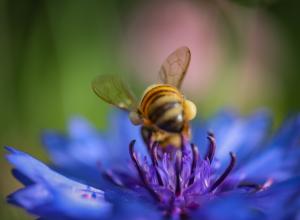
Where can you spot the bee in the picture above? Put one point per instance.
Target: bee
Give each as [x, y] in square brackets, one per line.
[163, 112]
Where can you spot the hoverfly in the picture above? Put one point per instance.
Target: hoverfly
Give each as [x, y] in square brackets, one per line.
[163, 111]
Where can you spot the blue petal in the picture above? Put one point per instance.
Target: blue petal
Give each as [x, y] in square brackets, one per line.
[288, 135]
[33, 169]
[86, 146]
[279, 160]
[57, 146]
[233, 133]
[21, 177]
[233, 206]
[30, 198]
[239, 135]
[63, 201]
[280, 201]
[83, 145]
[52, 194]
[138, 211]
[121, 132]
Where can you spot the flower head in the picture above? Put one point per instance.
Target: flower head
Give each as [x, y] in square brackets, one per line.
[179, 179]
[237, 172]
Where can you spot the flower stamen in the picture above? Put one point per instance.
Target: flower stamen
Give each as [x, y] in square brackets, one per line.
[139, 169]
[178, 167]
[256, 187]
[226, 172]
[251, 185]
[212, 147]
[176, 175]
[136, 163]
[195, 152]
[155, 161]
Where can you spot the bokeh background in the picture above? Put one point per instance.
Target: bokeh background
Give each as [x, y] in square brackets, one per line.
[245, 55]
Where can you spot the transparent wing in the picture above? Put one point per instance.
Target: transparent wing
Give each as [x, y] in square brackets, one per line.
[114, 91]
[175, 66]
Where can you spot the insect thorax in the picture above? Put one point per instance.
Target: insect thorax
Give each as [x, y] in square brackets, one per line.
[162, 105]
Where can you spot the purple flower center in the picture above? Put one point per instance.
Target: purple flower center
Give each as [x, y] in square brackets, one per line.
[179, 178]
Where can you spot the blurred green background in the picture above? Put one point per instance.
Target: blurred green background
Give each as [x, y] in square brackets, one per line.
[51, 50]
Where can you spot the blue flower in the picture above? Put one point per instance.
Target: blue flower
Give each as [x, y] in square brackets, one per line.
[50, 194]
[233, 168]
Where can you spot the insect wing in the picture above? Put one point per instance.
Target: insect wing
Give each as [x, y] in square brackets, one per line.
[114, 91]
[175, 67]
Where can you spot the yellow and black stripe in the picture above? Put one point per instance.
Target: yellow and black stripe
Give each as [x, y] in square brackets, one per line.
[162, 105]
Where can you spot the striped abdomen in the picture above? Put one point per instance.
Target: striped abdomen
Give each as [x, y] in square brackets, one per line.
[162, 105]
